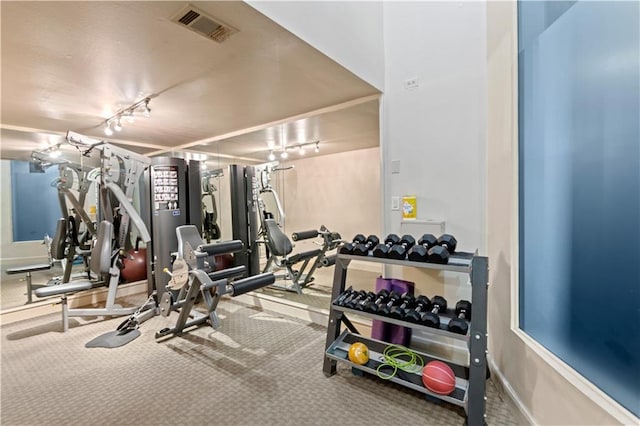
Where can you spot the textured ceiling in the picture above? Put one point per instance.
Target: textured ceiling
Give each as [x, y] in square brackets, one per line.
[71, 65]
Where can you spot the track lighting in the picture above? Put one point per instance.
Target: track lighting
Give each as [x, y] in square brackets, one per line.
[115, 121]
[301, 148]
[146, 110]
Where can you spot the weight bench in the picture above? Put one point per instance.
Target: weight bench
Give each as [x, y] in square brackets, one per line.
[56, 251]
[280, 247]
[101, 264]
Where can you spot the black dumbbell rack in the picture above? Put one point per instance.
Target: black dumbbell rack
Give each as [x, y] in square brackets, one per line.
[470, 378]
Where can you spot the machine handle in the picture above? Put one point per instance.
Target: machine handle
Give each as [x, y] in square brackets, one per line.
[304, 235]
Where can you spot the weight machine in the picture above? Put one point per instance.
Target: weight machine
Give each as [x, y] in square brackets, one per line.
[121, 170]
[299, 267]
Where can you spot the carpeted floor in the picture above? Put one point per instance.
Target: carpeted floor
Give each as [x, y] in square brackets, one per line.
[259, 368]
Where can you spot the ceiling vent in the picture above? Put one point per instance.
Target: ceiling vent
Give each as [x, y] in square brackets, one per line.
[207, 26]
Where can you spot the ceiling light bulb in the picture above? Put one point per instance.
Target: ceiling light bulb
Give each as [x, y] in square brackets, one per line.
[317, 147]
[107, 129]
[284, 155]
[147, 110]
[130, 117]
[118, 126]
[301, 151]
[272, 156]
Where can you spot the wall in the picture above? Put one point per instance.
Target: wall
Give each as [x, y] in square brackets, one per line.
[350, 33]
[548, 391]
[14, 253]
[437, 130]
[340, 191]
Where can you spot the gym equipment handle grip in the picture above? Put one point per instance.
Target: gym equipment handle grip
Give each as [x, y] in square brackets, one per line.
[252, 283]
[236, 271]
[304, 235]
[329, 260]
[221, 248]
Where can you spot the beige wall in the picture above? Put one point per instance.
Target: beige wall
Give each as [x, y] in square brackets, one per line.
[548, 391]
[340, 191]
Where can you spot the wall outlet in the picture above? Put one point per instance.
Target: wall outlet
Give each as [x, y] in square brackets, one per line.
[411, 83]
[395, 203]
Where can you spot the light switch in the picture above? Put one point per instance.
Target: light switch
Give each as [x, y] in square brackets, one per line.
[395, 203]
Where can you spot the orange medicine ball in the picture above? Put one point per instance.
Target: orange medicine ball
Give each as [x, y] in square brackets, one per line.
[438, 377]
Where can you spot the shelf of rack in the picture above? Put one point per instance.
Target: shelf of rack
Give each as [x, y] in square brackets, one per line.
[470, 380]
[442, 331]
[339, 351]
[458, 262]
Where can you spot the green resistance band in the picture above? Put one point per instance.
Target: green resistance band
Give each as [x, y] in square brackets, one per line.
[399, 358]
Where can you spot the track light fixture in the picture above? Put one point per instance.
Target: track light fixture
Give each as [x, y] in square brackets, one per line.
[300, 148]
[115, 121]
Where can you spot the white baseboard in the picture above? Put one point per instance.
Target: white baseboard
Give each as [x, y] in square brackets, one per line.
[520, 411]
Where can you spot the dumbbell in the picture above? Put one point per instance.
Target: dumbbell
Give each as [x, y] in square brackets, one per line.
[382, 249]
[362, 249]
[422, 305]
[364, 302]
[431, 319]
[400, 311]
[381, 297]
[348, 299]
[463, 311]
[399, 251]
[420, 252]
[385, 309]
[351, 302]
[441, 252]
[340, 300]
[348, 247]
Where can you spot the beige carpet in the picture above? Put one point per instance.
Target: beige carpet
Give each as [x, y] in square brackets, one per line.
[259, 368]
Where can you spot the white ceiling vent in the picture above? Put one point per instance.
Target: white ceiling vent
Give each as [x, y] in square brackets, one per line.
[207, 26]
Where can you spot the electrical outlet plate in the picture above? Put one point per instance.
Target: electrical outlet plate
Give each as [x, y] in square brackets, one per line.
[411, 83]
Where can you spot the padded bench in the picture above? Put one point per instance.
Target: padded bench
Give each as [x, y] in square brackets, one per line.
[28, 269]
[64, 290]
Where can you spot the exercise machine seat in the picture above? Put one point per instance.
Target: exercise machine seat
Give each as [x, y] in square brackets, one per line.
[59, 240]
[28, 268]
[188, 234]
[279, 243]
[101, 253]
[71, 287]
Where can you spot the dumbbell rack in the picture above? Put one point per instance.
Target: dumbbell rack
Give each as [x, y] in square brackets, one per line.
[470, 379]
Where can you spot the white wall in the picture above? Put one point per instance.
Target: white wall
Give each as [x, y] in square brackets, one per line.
[437, 131]
[350, 33]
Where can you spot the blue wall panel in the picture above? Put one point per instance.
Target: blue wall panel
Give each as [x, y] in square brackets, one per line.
[35, 205]
[579, 109]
